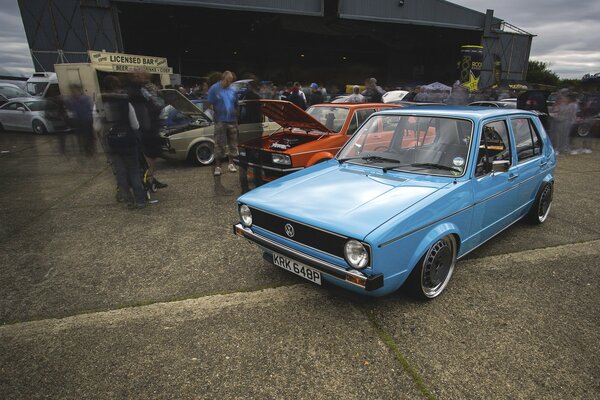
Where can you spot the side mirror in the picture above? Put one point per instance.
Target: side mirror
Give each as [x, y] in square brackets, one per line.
[500, 165]
[20, 109]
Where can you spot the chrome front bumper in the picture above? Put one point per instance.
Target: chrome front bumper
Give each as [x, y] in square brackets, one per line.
[353, 277]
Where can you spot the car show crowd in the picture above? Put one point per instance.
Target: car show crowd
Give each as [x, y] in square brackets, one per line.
[129, 126]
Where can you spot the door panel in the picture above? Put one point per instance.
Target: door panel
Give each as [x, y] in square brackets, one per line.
[494, 193]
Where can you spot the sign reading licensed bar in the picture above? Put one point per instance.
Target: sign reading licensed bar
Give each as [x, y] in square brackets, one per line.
[103, 58]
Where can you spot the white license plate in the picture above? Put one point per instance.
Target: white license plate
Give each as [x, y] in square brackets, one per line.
[297, 268]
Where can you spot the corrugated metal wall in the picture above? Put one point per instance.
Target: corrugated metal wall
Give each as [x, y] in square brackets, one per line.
[303, 7]
[422, 12]
[511, 50]
[64, 30]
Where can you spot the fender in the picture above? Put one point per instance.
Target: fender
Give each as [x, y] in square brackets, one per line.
[437, 232]
[318, 157]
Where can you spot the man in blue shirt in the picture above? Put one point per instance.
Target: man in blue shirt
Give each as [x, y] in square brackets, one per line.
[223, 99]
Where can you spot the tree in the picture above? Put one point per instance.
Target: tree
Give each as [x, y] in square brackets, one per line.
[539, 72]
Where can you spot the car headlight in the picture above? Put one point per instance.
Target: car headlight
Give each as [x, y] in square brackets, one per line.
[281, 159]
[356, 254]
[242, 151]
[245, 215]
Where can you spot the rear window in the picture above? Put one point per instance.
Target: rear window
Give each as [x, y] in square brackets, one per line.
[527, 140]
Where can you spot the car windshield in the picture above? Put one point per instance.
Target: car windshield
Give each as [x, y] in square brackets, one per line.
[11, 92]
[36, 88]
[40, 105]
[419, 144]
[332, 117]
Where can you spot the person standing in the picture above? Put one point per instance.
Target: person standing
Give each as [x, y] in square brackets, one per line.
[144, 98]
[118, 124]
[564, 116]
[316, 95]
[79, 109]
[251, 116]
[297, 96]
[223, 100]
[373, 93]
[356, 97]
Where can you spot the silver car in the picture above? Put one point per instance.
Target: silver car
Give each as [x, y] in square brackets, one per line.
[32, 115]
[9, 91]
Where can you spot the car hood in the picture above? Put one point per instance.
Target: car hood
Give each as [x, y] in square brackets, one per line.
[288, 115]
[346, 199]
[180, 102]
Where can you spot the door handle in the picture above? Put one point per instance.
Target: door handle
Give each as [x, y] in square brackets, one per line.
[543, 163]
[512, 177]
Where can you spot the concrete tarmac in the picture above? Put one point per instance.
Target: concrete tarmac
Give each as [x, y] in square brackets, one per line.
[98, 301]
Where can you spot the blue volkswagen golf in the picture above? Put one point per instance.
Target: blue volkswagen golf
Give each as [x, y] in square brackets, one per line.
[412, 191]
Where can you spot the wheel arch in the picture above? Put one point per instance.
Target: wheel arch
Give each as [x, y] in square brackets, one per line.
[196, 141]
[433, 235]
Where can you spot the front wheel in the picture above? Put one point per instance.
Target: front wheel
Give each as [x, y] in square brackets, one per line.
[38, 127]
[583, 130]
[542, 204]
[203, 153]
[431, 275]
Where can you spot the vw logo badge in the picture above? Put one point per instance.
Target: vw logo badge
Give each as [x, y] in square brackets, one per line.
[289, 230]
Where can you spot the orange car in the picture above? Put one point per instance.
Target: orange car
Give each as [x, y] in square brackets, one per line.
[307, 137]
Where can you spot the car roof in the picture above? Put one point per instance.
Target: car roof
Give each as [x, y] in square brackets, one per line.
[355, 105]
[471, 112]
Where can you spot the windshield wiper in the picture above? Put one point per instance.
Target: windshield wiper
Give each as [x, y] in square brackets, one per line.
[369, 158]
[437, 166]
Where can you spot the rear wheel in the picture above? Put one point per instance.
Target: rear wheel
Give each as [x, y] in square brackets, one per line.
[542, 204]
[203, 153]
[38, 127]
[431, 275]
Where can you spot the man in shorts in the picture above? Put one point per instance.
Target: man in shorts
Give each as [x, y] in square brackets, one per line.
[223, 100]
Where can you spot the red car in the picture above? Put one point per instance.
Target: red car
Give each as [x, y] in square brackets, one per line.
[307, 137]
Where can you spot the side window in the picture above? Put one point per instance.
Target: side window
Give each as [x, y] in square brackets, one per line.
[494, 145]
[537, 140]
[358, 118]
[362, 115]
[527, 141]
[353, 126]
[13, 106]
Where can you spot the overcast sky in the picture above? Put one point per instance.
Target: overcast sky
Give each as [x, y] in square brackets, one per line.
[567, 33]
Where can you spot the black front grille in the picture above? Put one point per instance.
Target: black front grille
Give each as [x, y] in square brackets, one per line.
[259, 157]
[304, 234]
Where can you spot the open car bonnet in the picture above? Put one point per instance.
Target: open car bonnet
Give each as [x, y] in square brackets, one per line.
[288, 115]
[180, 102]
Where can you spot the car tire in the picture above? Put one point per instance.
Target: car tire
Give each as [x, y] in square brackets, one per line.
[432, 273]
[583, 130]
[543, 203]
[202, 153]
[38, 127]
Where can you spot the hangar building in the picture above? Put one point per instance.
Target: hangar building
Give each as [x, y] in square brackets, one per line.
[397, 41]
